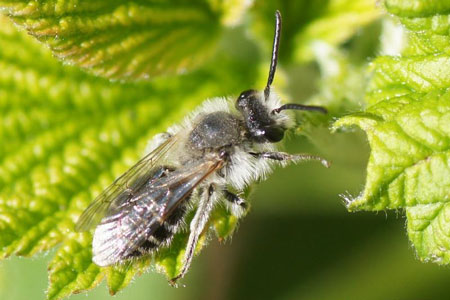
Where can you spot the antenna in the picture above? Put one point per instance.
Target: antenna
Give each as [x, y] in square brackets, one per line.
[275, 47]
[296, 106]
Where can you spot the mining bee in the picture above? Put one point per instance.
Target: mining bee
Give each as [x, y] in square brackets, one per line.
[223, 146]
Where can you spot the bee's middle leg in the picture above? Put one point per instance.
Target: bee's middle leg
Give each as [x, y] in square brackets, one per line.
[237, 205]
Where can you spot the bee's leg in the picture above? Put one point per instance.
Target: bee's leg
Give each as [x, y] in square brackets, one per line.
[238, 205]
[235, 199]
[196, 228]
[286, 157]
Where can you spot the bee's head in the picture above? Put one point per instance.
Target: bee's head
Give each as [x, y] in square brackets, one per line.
[261, 125]
[260, 121]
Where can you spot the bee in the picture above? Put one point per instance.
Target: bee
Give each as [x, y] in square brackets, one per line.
[223, 146]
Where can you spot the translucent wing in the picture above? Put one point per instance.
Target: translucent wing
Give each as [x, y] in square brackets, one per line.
[129, 225]
[123, 187]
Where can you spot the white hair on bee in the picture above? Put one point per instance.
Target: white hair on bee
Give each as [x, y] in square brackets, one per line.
[206, 107]
[103, 241]
[273, 102]
[245, 169]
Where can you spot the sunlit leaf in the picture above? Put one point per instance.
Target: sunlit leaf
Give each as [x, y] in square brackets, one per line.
[408, 128]
[124, 39]
[120, 276]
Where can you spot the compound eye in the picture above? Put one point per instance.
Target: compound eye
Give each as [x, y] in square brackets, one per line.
[274, 134]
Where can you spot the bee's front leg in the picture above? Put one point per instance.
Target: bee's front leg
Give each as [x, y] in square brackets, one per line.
[287, 157]
[197, 226]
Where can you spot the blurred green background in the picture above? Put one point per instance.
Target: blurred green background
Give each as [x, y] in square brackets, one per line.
[298, 241]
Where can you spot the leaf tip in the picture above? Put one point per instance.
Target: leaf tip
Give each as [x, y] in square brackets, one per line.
[112, 292]
[347, 199]
[353, 203]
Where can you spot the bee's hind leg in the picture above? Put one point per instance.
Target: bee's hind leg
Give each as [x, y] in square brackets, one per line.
[197, 226]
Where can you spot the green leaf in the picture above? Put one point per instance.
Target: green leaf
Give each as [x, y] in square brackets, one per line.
[120, 276]
[305, 22]
[224, 223]
[124, 39]
[66, 135]
[231, 11]
[169, 261]
[71, 270]
[408, 128]
[409, 139]
[404, 8]
[338, 21]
